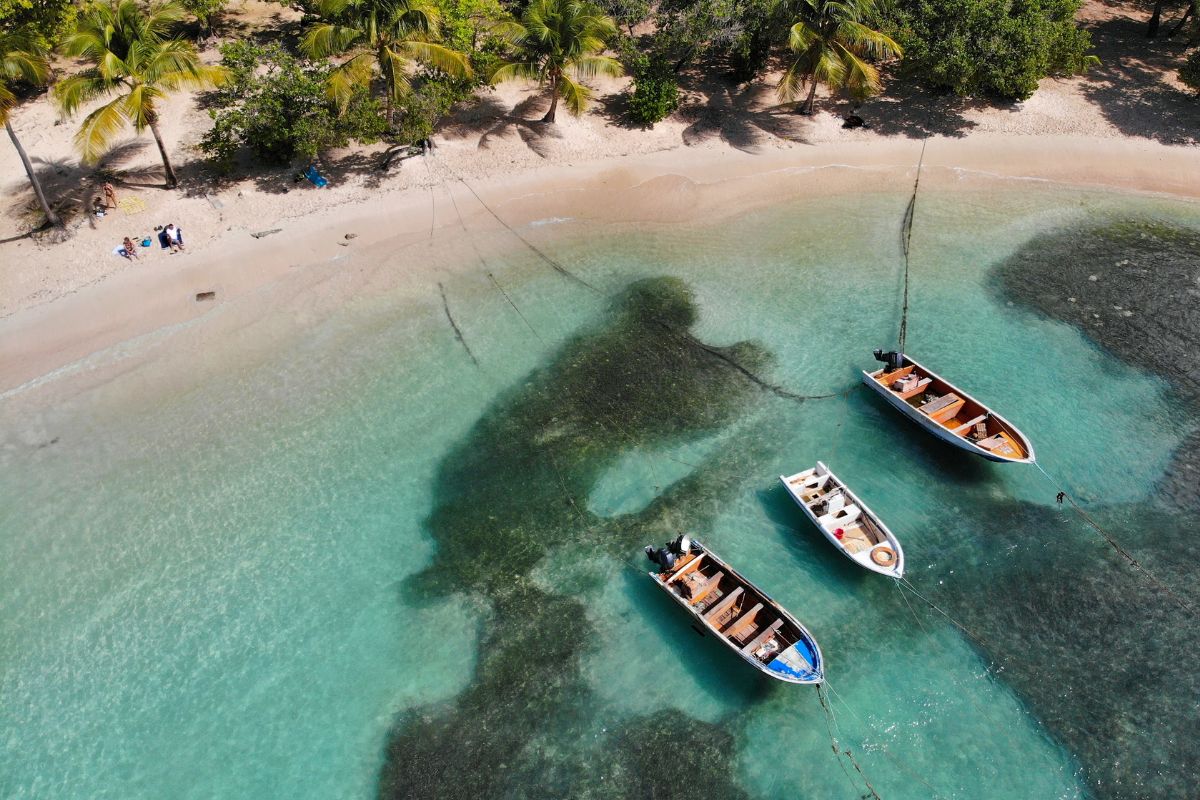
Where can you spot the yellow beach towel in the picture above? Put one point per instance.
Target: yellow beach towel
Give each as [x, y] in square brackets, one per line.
[131, 205]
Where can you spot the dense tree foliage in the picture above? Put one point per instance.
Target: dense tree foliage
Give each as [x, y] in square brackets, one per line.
[23, 59]
[132, 56]
[835, 45]
[1189, 73]
[560, 43]
[655, 88]
[1000, 48]
[379, 37]
[42, 22]
[275, 106]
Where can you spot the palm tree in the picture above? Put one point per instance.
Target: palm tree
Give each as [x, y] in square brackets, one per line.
[833, 42]
[22, 59]
[133, 58]
[561, 42]
[384, 34]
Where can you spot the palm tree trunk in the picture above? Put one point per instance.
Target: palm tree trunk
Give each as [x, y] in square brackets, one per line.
[51, 217]
[172, 181]
[553, 99]
[1155, 18]
[807, 108]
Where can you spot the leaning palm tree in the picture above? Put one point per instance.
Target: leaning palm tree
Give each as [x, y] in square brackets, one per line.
[133, 57]
[833, 41]
[384, 34]
[22, 59]
[560, 44]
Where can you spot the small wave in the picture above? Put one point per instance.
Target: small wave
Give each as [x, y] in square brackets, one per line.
[537, 223]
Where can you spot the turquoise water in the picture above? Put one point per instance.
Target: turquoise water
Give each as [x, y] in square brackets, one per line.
[363, 560]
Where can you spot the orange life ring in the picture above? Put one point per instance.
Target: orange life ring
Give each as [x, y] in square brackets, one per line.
[884, 556]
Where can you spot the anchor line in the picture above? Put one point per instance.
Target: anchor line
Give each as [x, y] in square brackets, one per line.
[1115, 545]
[830, 723]
[883, 748]
[906, 226]
[762, 383]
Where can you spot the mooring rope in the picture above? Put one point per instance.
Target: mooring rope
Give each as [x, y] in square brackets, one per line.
[906, 226]
[1114, 544]
[830, 724]
[750, 375]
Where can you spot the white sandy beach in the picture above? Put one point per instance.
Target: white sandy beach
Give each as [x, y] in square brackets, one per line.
[723, 152]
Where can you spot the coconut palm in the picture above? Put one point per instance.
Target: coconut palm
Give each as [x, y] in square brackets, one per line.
[21, 59]
[131, 56]
[560, 43]
[833, 41]
[387, 35]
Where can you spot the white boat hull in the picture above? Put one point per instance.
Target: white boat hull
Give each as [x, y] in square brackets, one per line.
[863, 558]
[943, 433]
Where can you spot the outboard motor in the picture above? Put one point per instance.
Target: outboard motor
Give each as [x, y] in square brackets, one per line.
[661, 556]
[893, 359]
[682, 544]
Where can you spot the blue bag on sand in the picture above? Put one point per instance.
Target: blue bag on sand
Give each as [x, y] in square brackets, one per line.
[318, 180]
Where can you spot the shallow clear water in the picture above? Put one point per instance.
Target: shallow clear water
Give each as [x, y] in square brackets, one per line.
[249, 588]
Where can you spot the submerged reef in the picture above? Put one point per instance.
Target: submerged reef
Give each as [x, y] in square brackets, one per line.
[1105, 657]
[512, 492]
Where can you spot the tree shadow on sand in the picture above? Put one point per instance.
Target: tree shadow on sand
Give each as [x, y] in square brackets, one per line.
[1130, 85]
[745, 118]
[490, 120]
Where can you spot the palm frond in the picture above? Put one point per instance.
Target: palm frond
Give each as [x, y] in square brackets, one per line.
[865, 41]
[449, 61]
[516, 70]
[347, 77]
[326, 39]
[75, 90]
[99, 129]
[510, 31]
[591, 66]
[574, 94]
[859, 76]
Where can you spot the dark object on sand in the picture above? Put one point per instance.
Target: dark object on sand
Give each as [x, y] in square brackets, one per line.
[200, 296]
[261, 234]
[852, 121]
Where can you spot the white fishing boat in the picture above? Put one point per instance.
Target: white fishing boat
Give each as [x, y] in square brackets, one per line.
[946, 411]
[736, 612]
[846, 521]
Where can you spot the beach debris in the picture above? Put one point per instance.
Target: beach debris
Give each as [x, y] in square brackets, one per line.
[214, 201]
[351, 235]
[261, 234]
[202, 296]
[1093, 278]
[1070, 299]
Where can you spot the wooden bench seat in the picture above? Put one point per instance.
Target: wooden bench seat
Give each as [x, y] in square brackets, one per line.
[705, 589]
[961, 429]
[713, 615]
[943, 402]
[762, 637]
[743, 627]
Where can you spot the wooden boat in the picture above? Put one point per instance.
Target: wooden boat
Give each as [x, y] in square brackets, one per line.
[946, 411]
[845, 520]
[737, 612]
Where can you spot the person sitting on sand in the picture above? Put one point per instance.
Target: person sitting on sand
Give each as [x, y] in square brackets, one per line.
[98, 206]
[171, 238]
[174, 236]
[130, 249]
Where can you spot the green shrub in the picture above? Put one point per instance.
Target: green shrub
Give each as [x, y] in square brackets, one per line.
[275, 105]
[1189, 73]
[655, 89]
[990, 47]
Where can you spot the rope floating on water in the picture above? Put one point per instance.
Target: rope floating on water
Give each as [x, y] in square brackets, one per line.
[906, 226]
[457, 331]
[830, 724]
[1114, 544]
